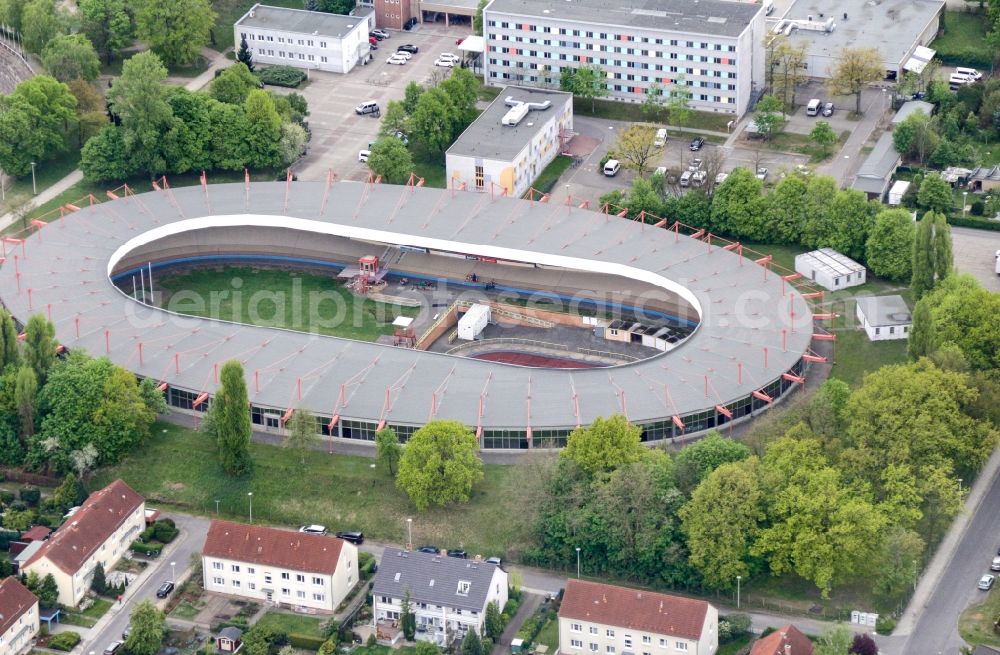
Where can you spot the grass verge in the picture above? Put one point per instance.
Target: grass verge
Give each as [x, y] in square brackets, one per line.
[47, 173]
[550, 175]
[87, 618]
[976, 623]
[179, 468]
[632, 112]
[185, 610]
[292, 623]
[963, 40]
[279, 298]
[229, 11]
[856, 356]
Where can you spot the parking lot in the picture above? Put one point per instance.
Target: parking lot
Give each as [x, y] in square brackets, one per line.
[337, 132]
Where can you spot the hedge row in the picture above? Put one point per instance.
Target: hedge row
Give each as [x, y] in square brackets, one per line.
[971, 221]
[305, 642]
[64, 641]
[150, 550]
[281, 76]
[966, 56]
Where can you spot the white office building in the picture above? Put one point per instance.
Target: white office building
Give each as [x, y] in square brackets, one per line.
[512, 142]
[714, 47]
[305, 39]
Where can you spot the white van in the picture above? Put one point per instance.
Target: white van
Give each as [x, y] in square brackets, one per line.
[812, 109]
[612, 167]
[956, 80]
[367, 107]
[661, 137]
[970, 73]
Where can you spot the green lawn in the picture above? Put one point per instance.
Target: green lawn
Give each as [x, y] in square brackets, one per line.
[963, 32]
[89, 617]
[47, 173]
[292, 623]
[855, 355]
[783, 254]
[549, 635]
[548, 177]
[229, 11]
[185, 610]
[800, 143]
[976, 623]
[179, 468]
[431, 168]
[278, 298]
[632, 112]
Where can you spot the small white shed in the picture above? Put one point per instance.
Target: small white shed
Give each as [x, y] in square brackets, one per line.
[884, 317]
[830, 269]
[897, 192]
[473, 322]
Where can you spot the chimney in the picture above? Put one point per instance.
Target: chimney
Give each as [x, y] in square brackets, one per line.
[788, 649]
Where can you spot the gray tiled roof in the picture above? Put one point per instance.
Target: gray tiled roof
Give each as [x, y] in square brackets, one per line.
[709, 17]
[433, 579]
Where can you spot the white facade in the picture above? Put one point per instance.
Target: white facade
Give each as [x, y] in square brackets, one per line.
[473, 322]
[22, 621]
[304, 39]
[282, 586]
[830, 269]
[579, 637]
[885, 318]
[719, 58]
[511, 157]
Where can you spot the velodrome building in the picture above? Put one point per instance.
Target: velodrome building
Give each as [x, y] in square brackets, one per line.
[750, 346]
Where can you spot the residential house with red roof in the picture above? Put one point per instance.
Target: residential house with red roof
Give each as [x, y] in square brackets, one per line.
[601, 619]
[101, 531]
[18, 617]
[787, 640]
[292, 569]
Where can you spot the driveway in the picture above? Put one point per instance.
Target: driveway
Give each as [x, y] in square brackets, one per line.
[337, 132]
[974, 252]
[191, 539]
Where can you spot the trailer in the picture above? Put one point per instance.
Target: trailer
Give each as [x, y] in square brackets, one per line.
[473, 322]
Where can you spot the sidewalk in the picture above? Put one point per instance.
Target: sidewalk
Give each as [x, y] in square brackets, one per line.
[218, 60]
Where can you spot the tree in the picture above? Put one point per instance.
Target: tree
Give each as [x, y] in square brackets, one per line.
[943, 263]
[91, 110]
[854, 70]
[922, 266]
[301, 435]
[10, 13]
[433, 120]
[388, 451]
[787, 65]
[590, 82]
[263, 130]
[720, 550]
[390, 159]
[964, 314]
[40, 23]
[653, 101]
[138, 98]
[394, 118]
[915, 137]
[849, 223]
[70, 57]
[8, 340]
[232, 419]
[45, 588]
[176, 31]
[462, 90]
[471, 644]
[922, 341]
[98, 583]
[477, 20]
[823, 138]
[863, 644]
[244, 55]
[895, 568]
[738, 207]
[107, 24]
[407, 620]
[889, 248]
[33, 123]
[292, 143]
[820, 192]
[39, 345]
[84, 459]
[69, 493]
[826, 412]
[25, 397]
[234, 84]
[411, 96]
[493, 622]
[604, 446]
[835, 640]
[426, 648]
[678, 103]
[636, 146]
[148, 627]
[935, 194]
[440, 464]
[105, 157]
[769, 116]
[787, 209]
[696, 460]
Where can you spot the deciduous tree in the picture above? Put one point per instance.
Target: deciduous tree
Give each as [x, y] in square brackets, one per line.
[653, 100]
[107, 24]
[433, 120]
[943, 264]
[40, 23]
[390, 159]
[471, 644]
[263, 131]
[394, 119]
[388, 450]
[935, 194]
[26, 397]
[148, 627]
[39, 345]
[849, 223]
[138, 97]
[787, 209]
[589, 82]
[231, 419]
[302, 435]
[105, 158]
[407, 620]
[234, 84]
[440, 464]
[915, 137]
[889, 248]
[678, 103]
[696, 460]
[788, 63]
[8, 340]
[493, 622]
[854, 70]
[292, 144]
[71, 57]
[823, 136]
[769, 116]
[177, 30]
[635, 146]
[604, 445]
[827, 409]
[922, 266]
[921, 341]
[739, 208]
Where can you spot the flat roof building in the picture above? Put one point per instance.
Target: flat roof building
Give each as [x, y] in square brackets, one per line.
[876, 172]
[884, 317]
[828, 27]
[713, 47]
[512, 142]
[314, 40]
[830, 269]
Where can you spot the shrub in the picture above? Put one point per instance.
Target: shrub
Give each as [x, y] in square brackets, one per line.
[884, 625]
[149, 550]
[6, 497]
[972, 221]
[164, 532]
[147, 535]
[281, 76]
[30, 495]
[7, 536]
[64, 641]
[977, 208]
[366, 564]
[306, 642]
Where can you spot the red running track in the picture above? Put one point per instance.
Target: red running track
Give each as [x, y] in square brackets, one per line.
[534, 361]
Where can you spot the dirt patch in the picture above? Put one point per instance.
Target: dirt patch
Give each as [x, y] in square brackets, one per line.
[582, 146]
[176, 487]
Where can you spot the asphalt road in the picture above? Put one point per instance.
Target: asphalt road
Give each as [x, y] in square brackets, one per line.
[974, 252]
[190, 541]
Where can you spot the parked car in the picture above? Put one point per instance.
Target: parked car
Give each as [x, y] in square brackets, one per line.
[113, 648]
[695, 165]
[402, 137]
[126, 632]
[380, 34]
[459, 554]
[408, 47]
[696, 143]
[445, 63]
[377, 36]
[828, 109]
[313, 529]
[986, 582]
[460, 41]
[409, 24]
[721, 177]
[698, 178]
[372, 40]
[995, 564]
[494, 560]
[356, 538]
[367, 107]
[449, 55]
[363, 155]
[395, 60]
[429, 549]
[164, 589]
[660, 170]
[686, 178]
[761, 173]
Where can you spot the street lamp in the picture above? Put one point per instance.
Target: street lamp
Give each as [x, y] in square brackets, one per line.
[965, 194]
[216, 506]
[34, 188]
[173, 572]
[409, 534]
[250, 496]
[738, 578]
[577, 561]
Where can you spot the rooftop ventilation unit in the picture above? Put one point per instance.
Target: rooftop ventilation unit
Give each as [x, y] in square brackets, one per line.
[519, 109]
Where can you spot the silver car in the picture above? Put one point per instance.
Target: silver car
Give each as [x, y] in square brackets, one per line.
[986, 582]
